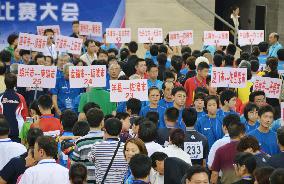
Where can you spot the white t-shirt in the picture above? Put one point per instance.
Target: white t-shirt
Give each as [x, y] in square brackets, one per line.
[50, 51]
[152, 147]
[174, 151]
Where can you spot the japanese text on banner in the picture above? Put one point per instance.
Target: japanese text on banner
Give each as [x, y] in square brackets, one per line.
[150, 35]
[87, 76]
[68, 44]
[250, 37]
[177, 38]
[90, 28]
[123, 90]
[36, 76]
[228, 77]
[118, 35]
[271, 86]
[32, 42]
[41, 29]
[216, 38]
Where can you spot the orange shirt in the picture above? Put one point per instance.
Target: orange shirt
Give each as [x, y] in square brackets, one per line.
[190, 85]
[49, 125]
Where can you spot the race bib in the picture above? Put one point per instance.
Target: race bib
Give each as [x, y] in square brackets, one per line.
[194, 149]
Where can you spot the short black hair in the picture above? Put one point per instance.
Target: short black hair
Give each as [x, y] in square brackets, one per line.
[78, 173]
[264, 109]
[95, 117]
[102, 51]
[246, 159]
[217, 60]
[108, 116]
[231, 49]
[254, 94]
[230, 118]
[89, 106]
[115, 51]
[196, 53]
[280, 135]
[68, 119]
[254, 65]
[177, 137]
[262, 174]
[185, 49]
[172, 114]
[153, 116]
[75, 22]
[195, 170]
[227, 95]
[280, 54]
[10, 80]
[189, 116]
[48, 144]
[272, 63]
[34, 106]
[162, 59]
[263, 46]
[229, 60]
[121, 115]
[236, 128]
[211, 97]
[138, 60]
[113, 126]
[163, 49]
[4, 126]
[247, 142]
[124, 52]
[88, 41]
[138, 120]
[5, 56]
[277, 177]
[151, 65]
[81, 128]
[134, 105]
[168, 75]
[177, 89]
[32, 136]
[24, 52]
[140, 166]
[39, 55]
[133, 46]
[154, 50]
[48, 31]
[158, 156]
[147, 131]
[245, 56]
[190, 62]
[249, 107]
[199, 95]
[2, 68]
[177, 62]
[203, 65]
[45, 102]
[11, 38]
[152, 89]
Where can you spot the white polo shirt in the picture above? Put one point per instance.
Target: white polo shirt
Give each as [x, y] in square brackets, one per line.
[152, 147]
[8, 150]
[50, 51]
[174, 151]
[47, 171]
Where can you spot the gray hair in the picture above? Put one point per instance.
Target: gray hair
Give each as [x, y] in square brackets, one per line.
[14, 68]
[63, 54]
[66, 66]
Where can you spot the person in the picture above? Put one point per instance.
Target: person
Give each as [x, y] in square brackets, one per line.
[210, 125]
[234, 20]
[13, 42]
[92, 50]
[198, 81]
[174, 170]
[250, 117]
[39, 59]
[81, 128]
[2, 77]
[266, 137]
[113, 71]
[45, 150]
[47, 122]
[63, 96]
[125, 119]
[148, 133]
[84, 144]
[63, 58]
[263, 48]
[132, 147]
[50, 49]
[162, 60]
[13, 107]
[140, 166]
[158, 164]
[140, 68]
[102, 55]
[75, 29]
[133, 107]
[276, 161]
[152, 71]
[196, 174]
[228, 103]
[129, 66]
[244, 165]
[277, 177]
[176, 142]
[110, 149]
[195, 144]
[198, 103]
[179, 94]
[274, 44]
[218, 60]
[154, 97]
[249, 144]
[136, 124]
[258, 98]
[280, 56]
[107, 46]
[78, 174]
[167, 100]
[262, 174]
[8, 148]
[224, 156]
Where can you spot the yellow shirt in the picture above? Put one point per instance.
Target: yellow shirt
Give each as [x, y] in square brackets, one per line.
[243, 93]
[2, 84]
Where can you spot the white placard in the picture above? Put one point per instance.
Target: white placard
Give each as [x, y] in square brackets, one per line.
[68, 44]
[194, 149]
[228, 77]
[250, 37]
[216, 38]
[87, 76]
[32, 42]
[150, 35]
[41, 29]
[36, 76]
[118, 35]
[123, 90]
[270, 86]
[178, 38]
[90, 28]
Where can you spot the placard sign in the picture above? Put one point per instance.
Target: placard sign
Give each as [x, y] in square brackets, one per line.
[150, 35]
[41, 29]
[216, 38]
[90, 28]
[32, 42]
[118, 35]
[68, 44]
[270, 86]
[178, 38]
[250, 37]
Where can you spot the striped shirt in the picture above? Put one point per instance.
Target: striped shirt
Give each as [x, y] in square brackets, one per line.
[82, 148]
[101, 155]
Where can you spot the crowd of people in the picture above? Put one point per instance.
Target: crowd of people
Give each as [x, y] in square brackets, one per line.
[187, 132]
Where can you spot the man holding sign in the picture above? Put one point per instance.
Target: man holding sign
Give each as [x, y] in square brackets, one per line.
[50, 47]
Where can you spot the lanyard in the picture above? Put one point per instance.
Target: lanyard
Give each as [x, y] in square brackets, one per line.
[66, 84]
[50, 50]
[87, 55]
[50, 162]
[46, 117]
[195, 82]
[6, 141]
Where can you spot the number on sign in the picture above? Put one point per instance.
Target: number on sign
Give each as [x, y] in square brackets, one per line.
[88, 81]
[36, 82]
[128, 95]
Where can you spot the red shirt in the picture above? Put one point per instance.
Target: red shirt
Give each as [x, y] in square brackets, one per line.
[190, 85]
[49, 125]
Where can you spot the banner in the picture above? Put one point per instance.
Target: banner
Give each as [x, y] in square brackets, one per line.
[250, 37]
[32, 42]
[41, 29]
[270, 86]
[150, 35]
[216, 38]
[228, 77]
[87, 76]
[178, 38]
[90, 28]
[68, 44]
[123, 90]
[118, 35]
[36, 76]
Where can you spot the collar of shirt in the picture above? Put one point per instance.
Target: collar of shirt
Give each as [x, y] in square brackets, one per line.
[5, 140]
[226, 135]
[139, 182]
[190, 129]
[173, 147]
[66, 133]
[47, 116]
[47, 161]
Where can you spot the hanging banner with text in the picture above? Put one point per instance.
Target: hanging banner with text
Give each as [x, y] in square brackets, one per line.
[123, 90]
[36, 76]
[270, 86]
[41, 29]
[118, 35]
[32, 42]
[250, 37]
[216, 38]
[68, 44]
[228, 77]
[150, 35]
[178, 38]
[87, 76]
[90, 28]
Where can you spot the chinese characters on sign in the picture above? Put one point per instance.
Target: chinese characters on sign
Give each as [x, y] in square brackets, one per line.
[122, 90]
[55, 28]
[36, 76]
[270, 86]
[32, 42]
[228, 77]
[150, 35]
[177, 38]
[87, 76]
[250, 37]
[68, 44]
[216, 38]
[118, 35]
[90, 28]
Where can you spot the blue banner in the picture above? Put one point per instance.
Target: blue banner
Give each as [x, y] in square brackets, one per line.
[23, 16]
